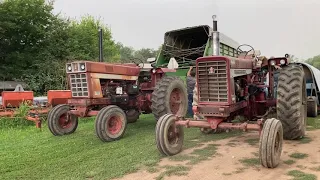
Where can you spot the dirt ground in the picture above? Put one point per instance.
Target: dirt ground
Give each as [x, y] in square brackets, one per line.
[236, 158]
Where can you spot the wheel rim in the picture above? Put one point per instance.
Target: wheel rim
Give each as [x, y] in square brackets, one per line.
[277, 145]
[173, 135]
[175, 100]
[114, 125]
[64, 121]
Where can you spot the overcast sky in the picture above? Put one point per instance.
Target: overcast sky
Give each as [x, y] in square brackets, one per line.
[275, 27]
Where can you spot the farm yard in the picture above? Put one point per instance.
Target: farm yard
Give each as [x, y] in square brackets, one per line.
[30, 153]
[77, 101]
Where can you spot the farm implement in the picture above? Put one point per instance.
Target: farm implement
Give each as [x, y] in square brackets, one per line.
[11, 101]
[229, 86]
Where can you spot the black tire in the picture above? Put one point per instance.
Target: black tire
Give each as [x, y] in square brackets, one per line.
[110, 116]
[161, 97]
[291, 102]
[169, 143]
[270, 144]
[312, 106]
[57, 124]
[132, 115]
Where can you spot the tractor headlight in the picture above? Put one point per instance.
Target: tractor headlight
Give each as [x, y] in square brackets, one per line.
[82, 66]
[69, 68]
[282, 61]
[273, 62]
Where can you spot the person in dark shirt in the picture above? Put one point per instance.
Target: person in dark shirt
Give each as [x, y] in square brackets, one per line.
[191, 81]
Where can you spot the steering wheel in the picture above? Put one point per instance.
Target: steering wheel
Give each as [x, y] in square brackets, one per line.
[239, 50]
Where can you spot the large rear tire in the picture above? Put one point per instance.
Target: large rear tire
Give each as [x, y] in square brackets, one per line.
[110, 124]
[270, 144]
[169, 137]
[59, 122]
[169, 97]
[312, 107]
[291, 102]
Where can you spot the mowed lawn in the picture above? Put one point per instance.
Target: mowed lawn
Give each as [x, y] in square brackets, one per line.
[29, 153]
[32, 154]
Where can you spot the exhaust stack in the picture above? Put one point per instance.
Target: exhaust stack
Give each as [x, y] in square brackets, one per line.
[100, 45]
[215, 37]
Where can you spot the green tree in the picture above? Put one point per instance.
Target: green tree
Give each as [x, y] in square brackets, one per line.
[145, 53]
[84, 41]
[314, 61]
[23, 32]
[126, 53]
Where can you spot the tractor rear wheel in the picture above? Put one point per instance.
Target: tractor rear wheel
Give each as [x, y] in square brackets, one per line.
[169, 137]
[60, 122]
[169, 96]
[110, 124]
[291, 102]
[312, 107]
[270, 144]
[132, 115]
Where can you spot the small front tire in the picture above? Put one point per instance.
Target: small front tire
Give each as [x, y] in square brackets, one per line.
[270, 144]
[110, 124]
[169, 137]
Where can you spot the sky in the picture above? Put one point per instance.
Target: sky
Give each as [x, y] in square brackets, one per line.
[275, 27]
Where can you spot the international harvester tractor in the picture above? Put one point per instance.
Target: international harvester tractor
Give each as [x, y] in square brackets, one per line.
[236, 86]
[116, 94]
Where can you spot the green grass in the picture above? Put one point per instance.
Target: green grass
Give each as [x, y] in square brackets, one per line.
[289, 162]
[28, 153]
[253, 141]
[315, 168]
[174, 170]
[305, 140]
[299, 175]
[313, 123]
[298, 155]
[250, 161]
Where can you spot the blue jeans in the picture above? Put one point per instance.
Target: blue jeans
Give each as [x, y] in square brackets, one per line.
[190, 100]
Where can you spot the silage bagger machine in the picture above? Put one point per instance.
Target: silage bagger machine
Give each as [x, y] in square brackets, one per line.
[229, 86]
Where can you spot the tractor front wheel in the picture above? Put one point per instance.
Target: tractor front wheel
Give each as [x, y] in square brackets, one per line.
[270, 144]
[111, 123]
[60, 122]
[169, 137]
[169, 96]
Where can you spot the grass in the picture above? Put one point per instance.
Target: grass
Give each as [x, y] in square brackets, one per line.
[289, 162]
[298, 155]
[174, 170]
[305, 140]
[32, 154]
[315, 168]
[250, 161]
[299, 175]
[253, 141]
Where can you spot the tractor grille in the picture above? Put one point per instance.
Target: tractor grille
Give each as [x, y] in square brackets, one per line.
[212, 79]
[79, 85]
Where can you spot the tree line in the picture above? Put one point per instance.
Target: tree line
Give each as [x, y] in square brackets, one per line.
[35, 44]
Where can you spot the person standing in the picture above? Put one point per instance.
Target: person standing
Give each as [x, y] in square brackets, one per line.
[191, 81]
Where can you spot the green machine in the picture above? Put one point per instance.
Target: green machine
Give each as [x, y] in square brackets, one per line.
[187, 44]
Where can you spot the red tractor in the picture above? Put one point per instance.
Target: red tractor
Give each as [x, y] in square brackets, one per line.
[116, 94]
[236, 86]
